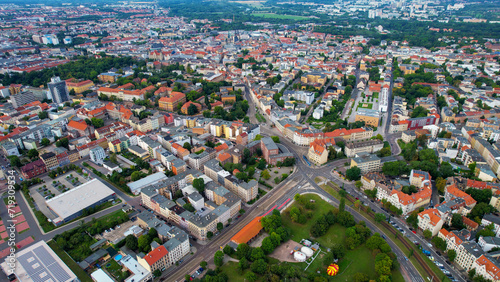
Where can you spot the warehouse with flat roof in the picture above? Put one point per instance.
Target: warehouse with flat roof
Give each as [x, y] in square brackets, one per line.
[69, 205]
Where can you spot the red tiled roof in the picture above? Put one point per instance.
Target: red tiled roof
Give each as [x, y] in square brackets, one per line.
[155, 255]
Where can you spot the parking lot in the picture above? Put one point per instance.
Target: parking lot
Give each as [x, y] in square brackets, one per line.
[54, 187]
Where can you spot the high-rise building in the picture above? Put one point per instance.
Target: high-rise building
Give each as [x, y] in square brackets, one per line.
[58, 90]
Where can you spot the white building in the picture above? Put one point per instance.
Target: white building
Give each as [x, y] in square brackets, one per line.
[196, 200]
[97, 155]
[488, 243]
[318, 113]
[383, 99]
[139, 273]
[430, 220]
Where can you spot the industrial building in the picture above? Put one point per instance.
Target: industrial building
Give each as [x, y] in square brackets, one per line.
[69, 205]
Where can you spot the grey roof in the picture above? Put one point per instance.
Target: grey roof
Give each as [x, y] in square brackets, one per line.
[95, 256]
[221, 210]
[172, 244]
[252, 183]
[202, 221]
[269, 143]
[492, 218]
[473, 248]
[492, 240]
[98, 243]
[366, 158]
[213, 164]
[195, 197]
[137, 149]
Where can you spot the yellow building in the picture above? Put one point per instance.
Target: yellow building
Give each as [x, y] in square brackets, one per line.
[79, 86]
[313, 77]
[370, 117]
[115, 146]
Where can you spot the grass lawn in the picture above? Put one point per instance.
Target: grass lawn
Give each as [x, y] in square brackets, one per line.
[334, 235]
[301, 231]
[230, 268]
[375, 95]
[116, 270]
[259, 117]
[275, 16]
[365, 106]
[79, 272]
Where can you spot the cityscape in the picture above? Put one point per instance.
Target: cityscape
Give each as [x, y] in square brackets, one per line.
[185, 140]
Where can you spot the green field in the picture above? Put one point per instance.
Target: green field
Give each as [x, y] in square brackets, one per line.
[368, 106]
[301, 231]
[276, 16]
[357, 260]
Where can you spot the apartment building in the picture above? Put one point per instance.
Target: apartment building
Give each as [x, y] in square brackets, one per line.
[171, 102]
[156, 259]
[369, 146]
[430, 219]
[420, 178]
[488, 266]
[50, 160]
[367, 162]
[467, 254]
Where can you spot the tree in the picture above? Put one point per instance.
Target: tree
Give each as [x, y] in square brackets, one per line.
[486, 232]
[157, 273]
[379, 217]
[265, 174]
[192, 110]
[219, 258]
[45, 142]
[259, 266]
[243, 264]
[187, 277]
[250, 276]
[14, 161]
[276, 139]
[360, 277]
[439, 243]
[257, 254]
[452, 254]
[268, 245]
[358, 184]
[220, 226]
[187, 146]
[210, 234]
[131, 242]
[242, 176]
[419, 112]
[228, 250]
[144, 243]
[136, 175]
[342, 205]
[246, 156]
[243, 251]
[43, 115]
[33, 153]
[97, 122]
[354, 173]
[440, 184]
[457, 221]
[427, 234]
[199, 184]
[479, 210]
[203, 264]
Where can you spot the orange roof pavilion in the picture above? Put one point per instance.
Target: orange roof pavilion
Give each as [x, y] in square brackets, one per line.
[248, 232]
